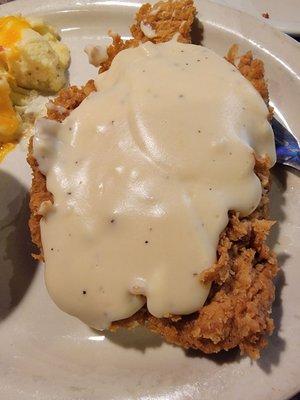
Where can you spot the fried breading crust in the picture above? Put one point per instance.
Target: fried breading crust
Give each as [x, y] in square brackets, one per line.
[67, 100]
[237, 311]
[167, 19]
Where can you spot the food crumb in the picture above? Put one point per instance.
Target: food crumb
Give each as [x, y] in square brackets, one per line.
[265, 15]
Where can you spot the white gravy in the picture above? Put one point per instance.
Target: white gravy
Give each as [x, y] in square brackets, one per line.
[143, 174]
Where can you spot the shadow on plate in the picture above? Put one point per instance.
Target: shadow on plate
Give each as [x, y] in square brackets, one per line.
[17, 267]
[197, 32]
[139, 338]
[224, 357]
[142, 339]
[271, 355]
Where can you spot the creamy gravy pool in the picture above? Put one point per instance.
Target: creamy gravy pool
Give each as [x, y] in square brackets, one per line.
[143, 174]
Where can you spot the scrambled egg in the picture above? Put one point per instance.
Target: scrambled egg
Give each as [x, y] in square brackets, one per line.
[10, 121]
[32, 58]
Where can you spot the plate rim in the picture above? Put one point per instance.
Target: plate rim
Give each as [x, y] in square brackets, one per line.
[284, 26]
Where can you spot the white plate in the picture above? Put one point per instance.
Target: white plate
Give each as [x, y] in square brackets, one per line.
[284, 15]
[46, 354]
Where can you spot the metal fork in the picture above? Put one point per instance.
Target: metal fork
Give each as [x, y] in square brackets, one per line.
[287, 146]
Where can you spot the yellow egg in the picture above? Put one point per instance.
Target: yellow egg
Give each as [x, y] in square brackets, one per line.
[11, 28]
[5, 149]
[33, 54]
[10, 121]
[32, 58]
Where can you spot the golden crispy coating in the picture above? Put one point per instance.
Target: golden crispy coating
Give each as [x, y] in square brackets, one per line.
[237, 311]
[166, 19]
[38, 194]
[68, 99]
[252, 69]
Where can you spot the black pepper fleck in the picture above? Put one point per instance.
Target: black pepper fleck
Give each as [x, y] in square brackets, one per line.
[51, 249]
[84, 292]
[182, 51]
[186, 63]
[69, 193]
[112, 221]
[146, 242]
[199, 131]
